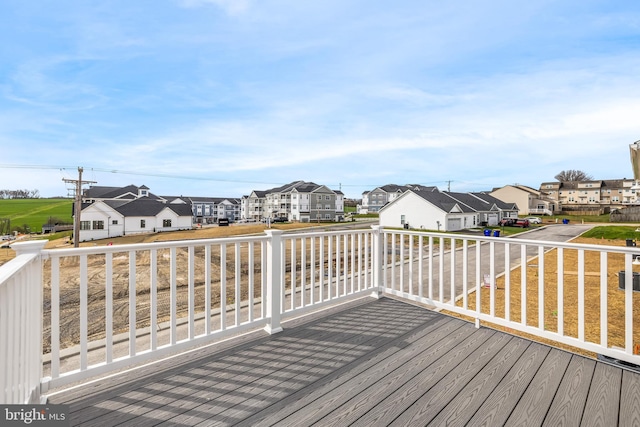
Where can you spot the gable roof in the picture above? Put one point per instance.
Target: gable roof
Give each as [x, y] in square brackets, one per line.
[144, 207]
[127, 192]
[440, 200]
[495, 201]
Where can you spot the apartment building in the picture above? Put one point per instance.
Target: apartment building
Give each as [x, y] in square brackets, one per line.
[297, 201]
[592, 194]
[374, 200]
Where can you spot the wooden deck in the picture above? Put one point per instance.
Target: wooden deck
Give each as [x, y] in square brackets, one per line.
[373, 363]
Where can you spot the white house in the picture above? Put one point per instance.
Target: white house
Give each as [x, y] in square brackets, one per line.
[111, 218]
[443, 211]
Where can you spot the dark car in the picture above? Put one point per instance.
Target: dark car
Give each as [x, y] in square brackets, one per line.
[280, 219]
[223, 222]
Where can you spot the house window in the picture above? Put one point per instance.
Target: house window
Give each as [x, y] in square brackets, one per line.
[143, 223]
[85, 225]
[114, 222]
[327, 207]
[166, 223]
[98, 225]
[327, 197]
[327, 216]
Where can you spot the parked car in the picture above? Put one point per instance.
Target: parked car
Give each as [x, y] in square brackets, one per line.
[280, 219]
[534, 220]
[222, 222]
[521, 222]
[507, 221]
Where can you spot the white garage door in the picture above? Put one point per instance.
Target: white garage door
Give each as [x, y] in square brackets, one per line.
[492, 219]
[454, 224]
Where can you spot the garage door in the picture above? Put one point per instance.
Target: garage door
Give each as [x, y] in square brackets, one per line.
[492, 219]
[454, 224]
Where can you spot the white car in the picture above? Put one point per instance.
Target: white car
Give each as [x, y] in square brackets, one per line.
[534, 220]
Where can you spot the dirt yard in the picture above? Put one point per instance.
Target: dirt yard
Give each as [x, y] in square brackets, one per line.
[70, 289]
[615, 296]
[96, 278]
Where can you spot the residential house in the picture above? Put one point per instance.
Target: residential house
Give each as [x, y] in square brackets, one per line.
[529, 200]
[444, 211]
[114, 218]
[129, 192]
[490, 210]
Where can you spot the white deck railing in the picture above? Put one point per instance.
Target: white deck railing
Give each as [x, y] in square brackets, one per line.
[551, 294]
[21, 325]
[107, 307]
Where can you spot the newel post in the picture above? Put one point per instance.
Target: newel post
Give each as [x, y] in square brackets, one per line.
[28, 247]
[376, 259]
[274, 280]
[29, 330]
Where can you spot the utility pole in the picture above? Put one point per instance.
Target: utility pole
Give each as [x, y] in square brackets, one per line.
[77, 205]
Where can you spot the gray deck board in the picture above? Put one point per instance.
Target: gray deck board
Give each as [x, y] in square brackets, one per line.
[603, 401]
[630, 399]
[375, 362]
[499, 405]
[533, 406]
[568, 406]
[472, 394]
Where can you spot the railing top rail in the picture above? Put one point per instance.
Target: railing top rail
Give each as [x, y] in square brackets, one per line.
[326, 233]
[154, 245]
[14, 266]
[517, 240]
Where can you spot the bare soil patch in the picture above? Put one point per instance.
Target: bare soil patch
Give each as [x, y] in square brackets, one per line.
[592, 293]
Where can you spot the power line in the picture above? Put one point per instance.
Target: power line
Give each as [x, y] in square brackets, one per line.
[200, 178]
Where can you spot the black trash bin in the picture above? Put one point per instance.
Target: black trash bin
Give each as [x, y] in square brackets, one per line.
[630, 242]
[635, 280]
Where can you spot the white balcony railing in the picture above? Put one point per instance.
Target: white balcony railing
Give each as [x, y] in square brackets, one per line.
[107, 307]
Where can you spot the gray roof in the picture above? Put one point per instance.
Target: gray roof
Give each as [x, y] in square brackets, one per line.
[144, 207]
[441, 200]
[100, 192]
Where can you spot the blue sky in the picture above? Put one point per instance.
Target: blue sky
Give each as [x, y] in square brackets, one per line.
[219, 97]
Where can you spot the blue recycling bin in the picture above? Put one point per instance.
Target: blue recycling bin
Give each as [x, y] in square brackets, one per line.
[565, 221]
[487, 232]
[496, 233]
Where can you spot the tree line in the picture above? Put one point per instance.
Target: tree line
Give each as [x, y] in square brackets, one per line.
[19, 194]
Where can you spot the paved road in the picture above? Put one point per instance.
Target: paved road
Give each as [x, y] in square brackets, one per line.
[403, 272]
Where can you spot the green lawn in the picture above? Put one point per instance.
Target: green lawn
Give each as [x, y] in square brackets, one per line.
[35, 212]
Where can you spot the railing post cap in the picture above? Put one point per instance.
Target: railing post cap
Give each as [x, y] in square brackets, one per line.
[273, 232]
[376, 227]
[28, 247]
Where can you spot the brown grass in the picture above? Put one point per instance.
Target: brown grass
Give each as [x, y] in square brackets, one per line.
[592, 293]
